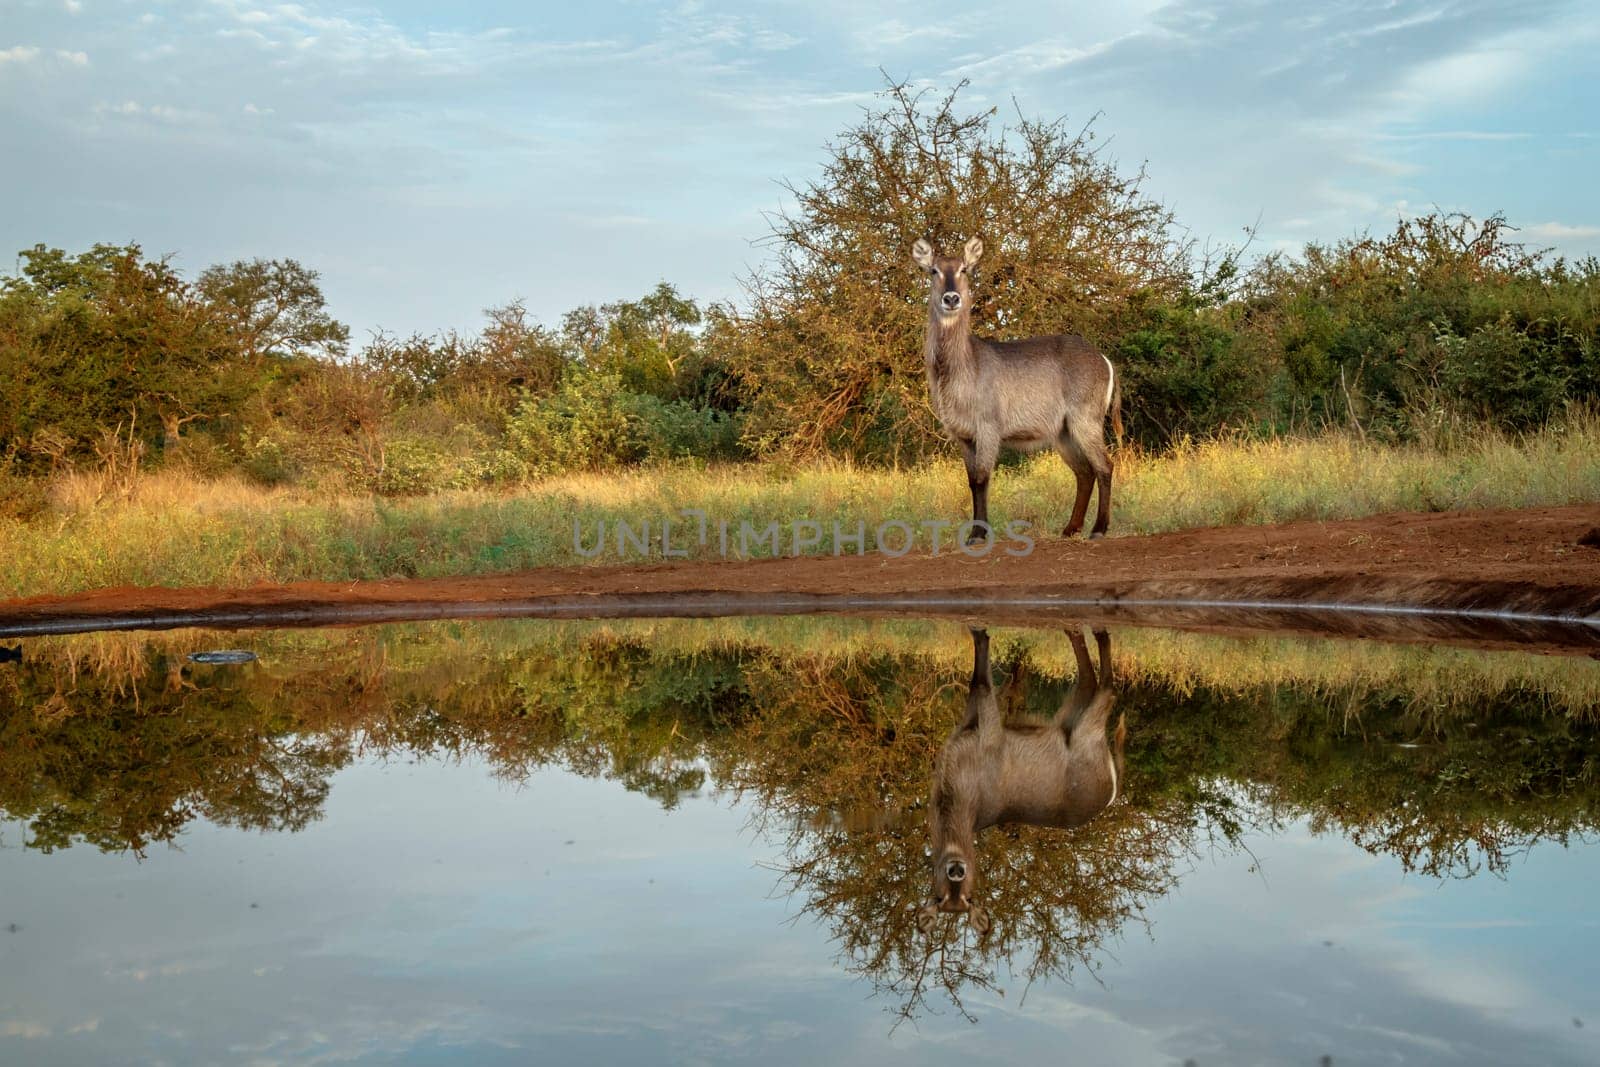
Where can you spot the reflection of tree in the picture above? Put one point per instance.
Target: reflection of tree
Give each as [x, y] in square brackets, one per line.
[1446, 798]
[1053, 896]
[125, 761]
[831, 751]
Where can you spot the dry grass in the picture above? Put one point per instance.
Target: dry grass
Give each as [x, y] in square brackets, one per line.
[168, 528]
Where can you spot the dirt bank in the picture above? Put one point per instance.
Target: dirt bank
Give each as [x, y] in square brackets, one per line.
[1491, 576]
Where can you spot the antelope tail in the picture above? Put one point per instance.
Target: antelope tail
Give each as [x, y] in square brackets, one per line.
[1116, 406]
[1119, 742]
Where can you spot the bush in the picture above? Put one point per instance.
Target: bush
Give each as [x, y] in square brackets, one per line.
[1502, 376]
[1444, 319]
[593, 423]
[271, 459]
[678, 430]
[1186, 374]
[414, 465]
[22, 497]
[200, 455]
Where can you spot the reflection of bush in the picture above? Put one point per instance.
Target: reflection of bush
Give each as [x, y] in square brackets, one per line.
[123, 763]
[119, 745]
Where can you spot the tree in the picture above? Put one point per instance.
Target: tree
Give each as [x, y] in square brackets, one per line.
[274, 307]
[108, 338]
[651, 344]
[510, 358]
[831, 343]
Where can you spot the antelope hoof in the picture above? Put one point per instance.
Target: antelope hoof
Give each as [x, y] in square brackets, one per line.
[1071, 531]
[1098, 535]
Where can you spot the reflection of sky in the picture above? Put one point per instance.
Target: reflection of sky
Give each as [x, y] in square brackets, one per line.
[439, 915]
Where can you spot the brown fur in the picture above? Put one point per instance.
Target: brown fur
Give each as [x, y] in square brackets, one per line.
[1058, 773]
[1053, 391]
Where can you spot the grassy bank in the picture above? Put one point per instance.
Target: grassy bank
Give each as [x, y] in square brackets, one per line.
[163, 528]
[1434, 684]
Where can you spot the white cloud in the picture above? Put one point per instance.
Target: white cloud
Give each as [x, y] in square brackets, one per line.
[1318, 122]
[1466, 76]
[134, 109]
[894, 32]
[1560, 231]
[1455, 135]
[1038, 58]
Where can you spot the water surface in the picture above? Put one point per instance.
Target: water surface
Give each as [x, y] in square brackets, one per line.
[706, 842]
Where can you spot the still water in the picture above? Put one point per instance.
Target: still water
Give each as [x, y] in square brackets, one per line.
[710, 842]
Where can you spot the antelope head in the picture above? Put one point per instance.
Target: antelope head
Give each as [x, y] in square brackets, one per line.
[950, 277]
[955, 877]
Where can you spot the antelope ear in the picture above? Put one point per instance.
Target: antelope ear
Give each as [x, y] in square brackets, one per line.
[979, 918]
[922, 254]
[927, 915]
[972, 252]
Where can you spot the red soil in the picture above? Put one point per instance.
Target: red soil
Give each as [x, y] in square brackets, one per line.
[1529, 563]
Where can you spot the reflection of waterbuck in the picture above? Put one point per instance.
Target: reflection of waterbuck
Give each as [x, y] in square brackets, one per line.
[1060, 772]
[1041, 392]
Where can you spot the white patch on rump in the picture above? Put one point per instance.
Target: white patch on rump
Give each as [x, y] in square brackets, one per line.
[1111, 380]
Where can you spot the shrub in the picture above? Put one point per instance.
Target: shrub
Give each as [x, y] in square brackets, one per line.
[271, 459]
[1185, 374]
[593, 423]
[1502, 376]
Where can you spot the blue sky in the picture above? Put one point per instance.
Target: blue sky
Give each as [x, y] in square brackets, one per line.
[432, 160]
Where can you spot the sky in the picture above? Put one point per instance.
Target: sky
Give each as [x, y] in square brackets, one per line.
[434, 160]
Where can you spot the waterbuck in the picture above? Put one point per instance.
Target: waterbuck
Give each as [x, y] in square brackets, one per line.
[1043, 391]
[1061, 772]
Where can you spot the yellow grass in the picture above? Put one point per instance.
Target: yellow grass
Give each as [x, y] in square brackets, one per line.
[167, 528]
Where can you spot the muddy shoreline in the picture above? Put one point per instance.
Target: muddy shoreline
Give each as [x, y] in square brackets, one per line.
[1503, 578]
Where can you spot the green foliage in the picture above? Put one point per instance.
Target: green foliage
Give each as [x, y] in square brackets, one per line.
[271, 459]
[20, 496]
[594, 422]
[273, 308]
[1430, 334]
[416, 466]
[1444, 319]
[1185, 371]
[649, 344]
[1507, 375]
[108, 340]
[510, 358]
